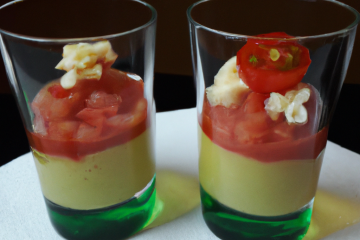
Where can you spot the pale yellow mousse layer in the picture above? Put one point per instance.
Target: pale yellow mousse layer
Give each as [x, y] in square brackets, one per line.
[98, 180]
[254, 187]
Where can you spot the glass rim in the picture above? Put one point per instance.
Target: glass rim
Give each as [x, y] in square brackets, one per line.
[82, 39]
[237, 36]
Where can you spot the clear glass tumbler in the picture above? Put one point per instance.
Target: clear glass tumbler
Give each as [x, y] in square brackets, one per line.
[82, 74]
[268, 76]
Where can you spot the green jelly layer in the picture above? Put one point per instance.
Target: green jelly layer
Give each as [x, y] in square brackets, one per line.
[227, 223]
[115, 222]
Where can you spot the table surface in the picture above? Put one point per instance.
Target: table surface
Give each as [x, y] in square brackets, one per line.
[23, 213]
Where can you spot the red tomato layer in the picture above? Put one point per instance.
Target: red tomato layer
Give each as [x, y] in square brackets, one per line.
[248, 130]
[76, 150]
[266, 73]
[90, 117]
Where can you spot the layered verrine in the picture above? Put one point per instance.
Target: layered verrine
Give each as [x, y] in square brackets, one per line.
[92, 146]
[260, 146]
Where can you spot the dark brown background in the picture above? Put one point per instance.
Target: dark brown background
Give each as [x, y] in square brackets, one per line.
[173, 42]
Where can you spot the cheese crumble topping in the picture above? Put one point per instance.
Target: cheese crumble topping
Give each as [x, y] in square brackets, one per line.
[228, 87]
[291, 104]
[83, 61]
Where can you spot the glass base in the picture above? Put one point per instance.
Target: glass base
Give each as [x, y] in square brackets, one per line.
[227, 223]
[115, 222]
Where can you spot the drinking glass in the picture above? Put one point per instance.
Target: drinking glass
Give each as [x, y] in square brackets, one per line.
[82, 75]
[268, 76]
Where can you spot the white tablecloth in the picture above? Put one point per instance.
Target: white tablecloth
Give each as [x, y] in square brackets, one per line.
[23, 214]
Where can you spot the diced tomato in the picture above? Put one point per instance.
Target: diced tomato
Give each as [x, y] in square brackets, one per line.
[248, 123]
[91, 115]
[130, 95]
[103, 118]
[249, 131]
[57, 91]
[100, 99]
[64, 107]
[255, 102]
[90, 132]
[43, 102]
[222, 132]
[253, 128]
[282, 132]
[63, 130]
[120, 121]
[129, 120]
[113, 81]
[56, 109]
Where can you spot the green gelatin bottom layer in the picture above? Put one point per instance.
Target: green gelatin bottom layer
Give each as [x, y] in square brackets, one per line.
[227, 223]
[115, 222]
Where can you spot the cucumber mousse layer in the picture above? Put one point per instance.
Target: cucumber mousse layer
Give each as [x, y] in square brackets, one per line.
[256, 187]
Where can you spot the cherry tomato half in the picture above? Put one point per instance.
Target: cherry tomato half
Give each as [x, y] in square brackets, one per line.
[268, 65]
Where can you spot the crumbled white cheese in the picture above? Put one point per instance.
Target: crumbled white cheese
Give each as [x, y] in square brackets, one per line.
[83, 59]
[276, 104]
[291, 104]
[85, 55]
[91, 73]
[69, 79]
[228, 87]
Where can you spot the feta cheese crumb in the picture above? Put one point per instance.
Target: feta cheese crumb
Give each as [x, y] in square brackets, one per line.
[69, 79]
[276, 104]
[291, 104]
[91, 73]
[228, 88]
[84, 60]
